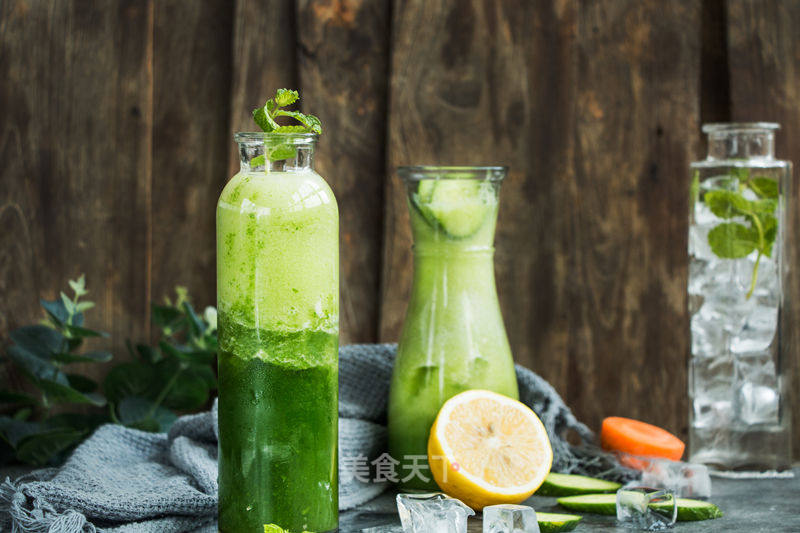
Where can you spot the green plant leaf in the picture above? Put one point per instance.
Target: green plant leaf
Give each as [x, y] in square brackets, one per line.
[281, 152]
[263, 118]
[187, 353]
[23, 414]
[295, 128]
[20, 398]
[726, 204]
[166, 317]
[55, 309]
[78, 331]
[34, 366]
[40, 448]
[205, 373]
[770, 225]
[83, 306]
[81, 383]
[140, 413]
[129, 379]
[14, 430]
[764, 187]
[86, 357]
[311, 122]
[732, 240]
[39, 340]
[78, 286]
[188, 392]
[148, 353]
[77, 421]
[64, 393]
[258, 161]
[285, 97]
[766, 206]
[69, 305]
[196, 325]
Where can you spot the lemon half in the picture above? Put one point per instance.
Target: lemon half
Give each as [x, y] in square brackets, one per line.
[485, 449]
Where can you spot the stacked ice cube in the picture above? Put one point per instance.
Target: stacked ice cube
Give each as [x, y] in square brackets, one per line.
[733, 382]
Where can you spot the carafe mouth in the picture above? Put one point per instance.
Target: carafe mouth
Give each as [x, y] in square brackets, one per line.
[452, 172]
[741, 140]
[282, 138]
[262, 151]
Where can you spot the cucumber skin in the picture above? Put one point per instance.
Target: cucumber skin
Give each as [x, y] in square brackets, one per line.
[688, 510]
[550, 526]
[556, 488]
[604, 508]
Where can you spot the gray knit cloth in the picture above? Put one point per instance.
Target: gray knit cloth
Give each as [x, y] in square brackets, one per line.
[124, 480]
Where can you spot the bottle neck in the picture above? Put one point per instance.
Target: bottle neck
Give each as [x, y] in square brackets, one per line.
[742, 141]
[445, 251]
[264, 152]
[453, 271]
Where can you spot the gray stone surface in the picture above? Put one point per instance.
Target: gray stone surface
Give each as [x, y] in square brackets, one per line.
[748, 505]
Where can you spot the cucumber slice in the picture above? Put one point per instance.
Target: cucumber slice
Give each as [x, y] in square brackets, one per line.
[425, 190]
[691, 510]
[591, 503]
[553, 522]
[459, 207]
[688, 510]
[570, 485]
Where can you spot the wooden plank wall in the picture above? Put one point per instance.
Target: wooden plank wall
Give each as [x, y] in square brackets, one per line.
[116, 141]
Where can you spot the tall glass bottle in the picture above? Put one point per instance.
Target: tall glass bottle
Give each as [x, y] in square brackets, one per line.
[278, 300]
[453, 337]
[738, 232]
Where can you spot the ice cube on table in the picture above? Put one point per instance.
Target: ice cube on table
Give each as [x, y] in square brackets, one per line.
[686, 480]
[646, 508]
[508, 518]
[432, 513]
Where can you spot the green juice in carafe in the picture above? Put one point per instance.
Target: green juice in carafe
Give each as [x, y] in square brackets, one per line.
[278, 283]
[453, 338]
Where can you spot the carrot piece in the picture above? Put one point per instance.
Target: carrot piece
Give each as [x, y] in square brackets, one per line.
[639, 438]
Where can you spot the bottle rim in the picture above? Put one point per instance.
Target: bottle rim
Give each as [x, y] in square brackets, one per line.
[262, 136]
[726, 127]
[452, 172]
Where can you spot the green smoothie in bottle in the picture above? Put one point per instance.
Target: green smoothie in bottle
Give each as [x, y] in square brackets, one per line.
[278, 301]
[453, 338]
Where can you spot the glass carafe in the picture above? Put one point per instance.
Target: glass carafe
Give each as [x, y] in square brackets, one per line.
[278, 301]
[738, 232]
[453, 337]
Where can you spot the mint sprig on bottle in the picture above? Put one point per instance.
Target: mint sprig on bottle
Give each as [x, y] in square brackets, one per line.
[753, 224]
[266, 117]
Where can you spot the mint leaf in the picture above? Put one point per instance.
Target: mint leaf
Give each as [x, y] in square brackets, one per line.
[740, 173]
[258, 161]
[764, 187]
[732, 240]
[286, 97]
[291, 129]
[311, 122]
[282, 151]
[726, 204]
[263, 118]
[763, 206]
[770, 226]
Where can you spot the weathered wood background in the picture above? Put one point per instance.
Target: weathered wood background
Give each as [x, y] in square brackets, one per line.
[116, 131]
